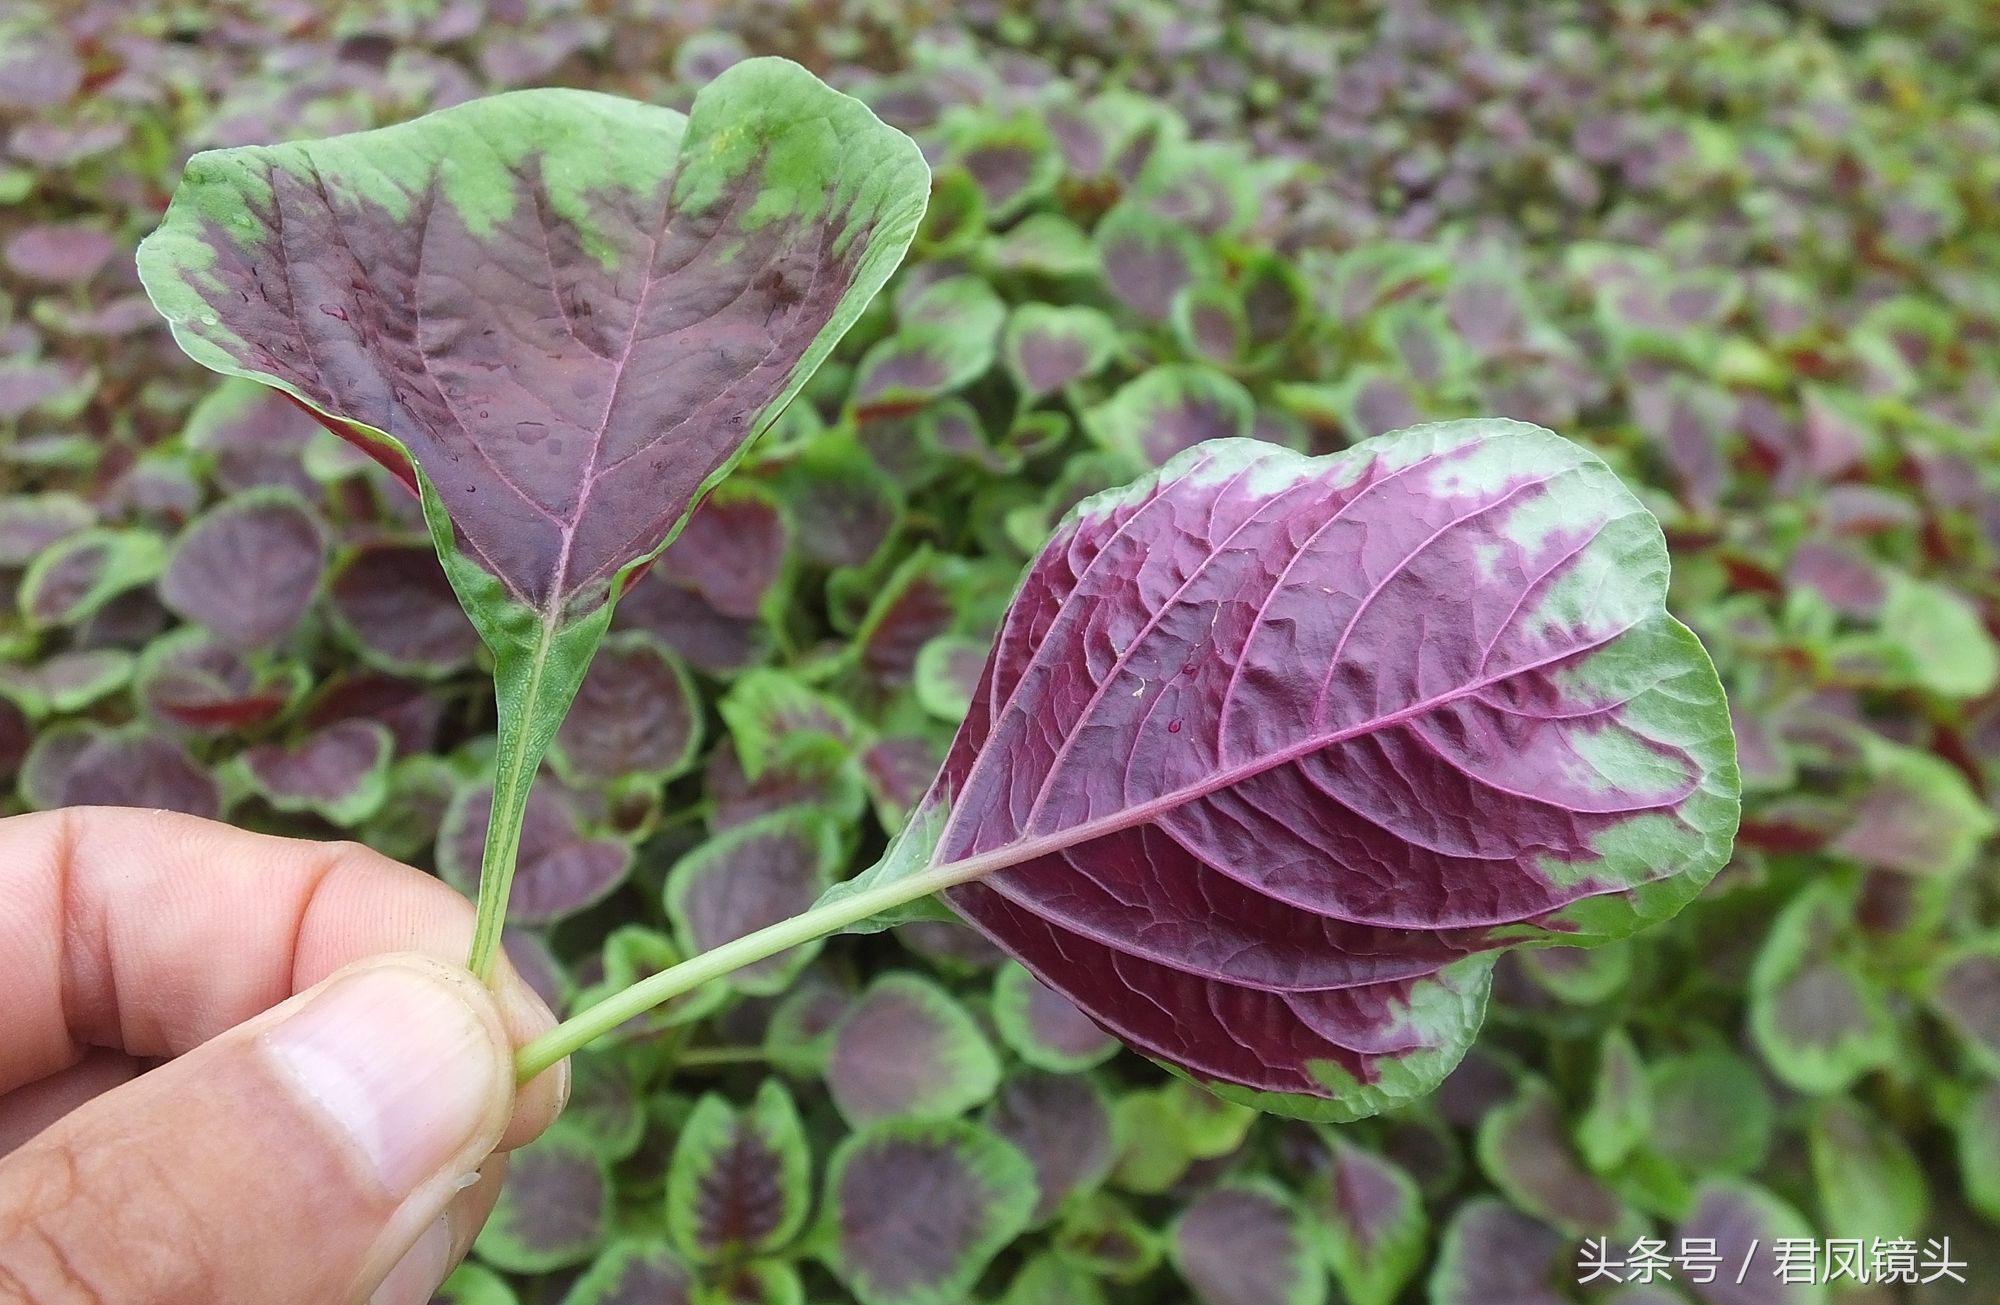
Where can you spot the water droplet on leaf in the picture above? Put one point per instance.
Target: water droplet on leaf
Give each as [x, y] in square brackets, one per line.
[334, 310]
[1174, 725]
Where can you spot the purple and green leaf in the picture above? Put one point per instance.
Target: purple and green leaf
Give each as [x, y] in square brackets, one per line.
[1047, 347]
[557, 315]
[555, 1209]
[1244, 1244]
[1044, 1027]
[740, 1182]
[1063, 1125]
[915, 1211]
[907, 1050]
[340, 772]
[635, 717]
[1371, 1226]
[635, 1271]
[1496, 698]
[751, 876]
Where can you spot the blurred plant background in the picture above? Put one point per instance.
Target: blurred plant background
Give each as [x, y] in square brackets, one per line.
[1750, 252]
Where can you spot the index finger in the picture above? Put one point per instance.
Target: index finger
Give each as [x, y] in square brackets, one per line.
[151, 932]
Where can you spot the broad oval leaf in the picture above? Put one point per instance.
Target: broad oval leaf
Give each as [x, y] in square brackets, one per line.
[1244, 1245]
[1371, 1227]
[634, 718]
[248, 569]
[562, 869]
[907, 1050]
[1062, 1123]
[341, 772]
[749, 877]
[916, 1211]
[1273, 753]
[555, 1209]
[561, 314]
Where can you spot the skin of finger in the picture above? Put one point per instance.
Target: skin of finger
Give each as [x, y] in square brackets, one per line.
[212, 1180]
[152, 932]
[28, 1109]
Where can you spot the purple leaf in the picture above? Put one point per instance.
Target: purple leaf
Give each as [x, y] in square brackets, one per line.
[1242, 1245]
[1273, 752]
[1062, 1124]
[561, 870]
[1745, 1223]
[396, 605]
[635, 717]
[1168, 410]
[125, 768]
[249, 569]
[632, 1272]
[340, 772]
[708, 594]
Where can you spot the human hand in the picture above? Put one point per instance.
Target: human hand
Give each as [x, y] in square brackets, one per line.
[308, 1138]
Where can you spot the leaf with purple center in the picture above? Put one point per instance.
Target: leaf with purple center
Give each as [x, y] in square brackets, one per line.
[635, 717]
[1751, 1223]
[1168, 410]
[1044, 1027]
[563, 868]
[750, 877]
[86, 765]
[1371, 1226]
[557, 315]
[908, 1050]
[1818, 1019]
[915, 1211]
[1244, 1244]
[1492, 1254]
[340, 772]
[635, 1271]
[555, 1209]
[1148, 259]
[189, 680]
[74, 577]
[398, 610]
[1062, 1123]
[1047, 347]
[740, 1181]
[66, 682]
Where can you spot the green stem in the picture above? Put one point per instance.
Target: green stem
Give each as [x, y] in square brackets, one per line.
[826, 918]
[513, 776]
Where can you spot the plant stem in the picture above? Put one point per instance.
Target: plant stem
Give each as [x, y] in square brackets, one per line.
[513, 776]
[671, 982]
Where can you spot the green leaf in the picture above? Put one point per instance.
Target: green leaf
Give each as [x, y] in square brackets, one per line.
[1979, 1149]
[739, 1183]
[1869, 1183]
[1620, 1114]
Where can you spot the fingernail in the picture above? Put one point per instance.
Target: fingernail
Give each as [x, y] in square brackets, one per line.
[396, 1059]
[419, 1274]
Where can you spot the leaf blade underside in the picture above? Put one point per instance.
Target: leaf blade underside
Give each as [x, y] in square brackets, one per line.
[1407, 705]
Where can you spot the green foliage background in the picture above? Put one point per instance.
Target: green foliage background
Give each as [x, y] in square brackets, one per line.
[1748, 252]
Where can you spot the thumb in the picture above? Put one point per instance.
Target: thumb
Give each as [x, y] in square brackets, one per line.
[295, 1158]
